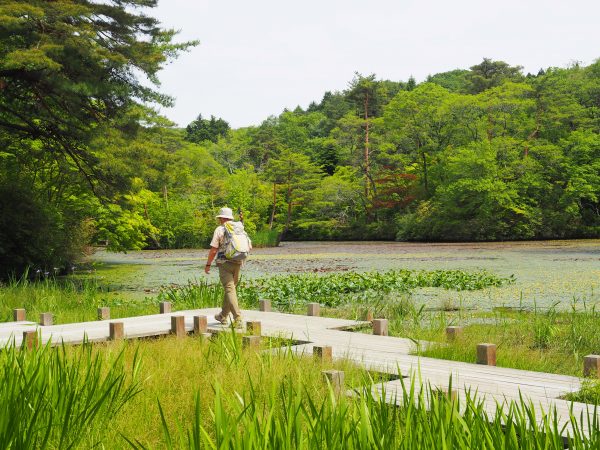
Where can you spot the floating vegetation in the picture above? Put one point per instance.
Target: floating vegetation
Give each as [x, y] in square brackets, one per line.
[334, 288]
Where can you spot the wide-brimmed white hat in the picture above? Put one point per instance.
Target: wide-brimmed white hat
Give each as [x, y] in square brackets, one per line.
[225, 213]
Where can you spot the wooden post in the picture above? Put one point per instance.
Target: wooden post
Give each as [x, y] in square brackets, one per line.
[380, 327]
[253, 328]
[165, 307]
[200, 324]
[251, 341]
[19, 315]
[264, 305]
[116, 331]
[324, 353]
[369, 315]
[591, 366]
[486, 354]
[314, 309]
[178, 326]
[335, 378]
[104, 313]
[46, 319]
[30, 339]
[453, 333]
[451, 395]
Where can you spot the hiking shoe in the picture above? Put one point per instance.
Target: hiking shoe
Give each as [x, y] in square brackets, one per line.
[219, 318]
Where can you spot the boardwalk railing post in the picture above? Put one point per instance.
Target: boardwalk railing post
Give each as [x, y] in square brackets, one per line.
[19, 315]
[251, 341]
[31, 339]
[486, 354]
[323, 352]
[165, 307]
[369, 315]
[46, 319]
[200, 324]
[264, 305]
[453, 333]
[178, 326]
[206, 336]
[104, 313]
[313, 309]
[253, 327]
[451, 395]
[116, 331]
[335, 378]
[380, 327]
[591, 366]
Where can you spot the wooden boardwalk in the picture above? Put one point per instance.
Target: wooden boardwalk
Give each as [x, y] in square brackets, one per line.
[493, 385]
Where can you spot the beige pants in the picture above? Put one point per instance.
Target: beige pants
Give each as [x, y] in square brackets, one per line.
[229, 274]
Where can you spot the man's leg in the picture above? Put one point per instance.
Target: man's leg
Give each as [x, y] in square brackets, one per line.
[229, 275]
[235, 309]
[226, 278]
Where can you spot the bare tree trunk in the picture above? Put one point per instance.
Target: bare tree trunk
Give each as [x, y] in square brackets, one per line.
[166, 196]
[367, 163]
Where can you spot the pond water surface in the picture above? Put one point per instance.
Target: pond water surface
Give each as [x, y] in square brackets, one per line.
[546, 272]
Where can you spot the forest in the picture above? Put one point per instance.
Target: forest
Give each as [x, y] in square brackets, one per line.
[479, 154]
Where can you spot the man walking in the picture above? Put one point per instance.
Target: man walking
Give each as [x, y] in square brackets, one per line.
[229, 270]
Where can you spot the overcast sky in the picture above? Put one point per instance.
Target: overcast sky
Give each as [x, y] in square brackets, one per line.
[256, 58]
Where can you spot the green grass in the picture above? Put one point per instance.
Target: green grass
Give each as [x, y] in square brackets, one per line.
[292, 418]
[546, 341]
[194, 393]
[78, 300]
[265, 238]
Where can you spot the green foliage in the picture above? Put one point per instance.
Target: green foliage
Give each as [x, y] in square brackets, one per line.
[201, 130]
[334, 289]
[490, 73]
[57, 398]
[68, 72]
[454, 80]
[35, 235]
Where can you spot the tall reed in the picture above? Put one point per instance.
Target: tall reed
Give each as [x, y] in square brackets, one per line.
[57, 397]
[293, 418]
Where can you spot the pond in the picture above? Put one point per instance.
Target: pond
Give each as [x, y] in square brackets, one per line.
[546, 272]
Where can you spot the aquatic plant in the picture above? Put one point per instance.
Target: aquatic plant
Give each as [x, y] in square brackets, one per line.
[335, 288]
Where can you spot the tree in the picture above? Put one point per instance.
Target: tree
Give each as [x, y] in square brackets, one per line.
[297, 174]
[490, 73]
[67, 70]
[419, 123]
[67, 67]
[363, 91]
[201, 130]
[453, 80]
[336, 206]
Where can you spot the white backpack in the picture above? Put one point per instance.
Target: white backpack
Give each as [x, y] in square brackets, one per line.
[237, 242]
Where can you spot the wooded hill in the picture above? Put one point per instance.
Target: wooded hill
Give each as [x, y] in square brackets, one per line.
[485, 153]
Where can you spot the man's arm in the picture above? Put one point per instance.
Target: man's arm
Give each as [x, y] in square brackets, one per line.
[211, 255]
